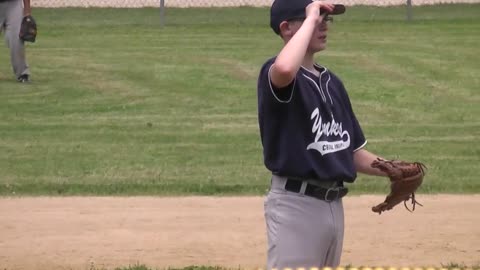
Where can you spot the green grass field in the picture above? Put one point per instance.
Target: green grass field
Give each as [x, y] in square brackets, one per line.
[120, 106]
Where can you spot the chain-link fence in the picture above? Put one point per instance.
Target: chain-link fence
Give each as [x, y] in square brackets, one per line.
[219, 3]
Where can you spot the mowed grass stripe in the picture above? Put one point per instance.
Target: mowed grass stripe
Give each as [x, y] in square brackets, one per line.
[121, 106]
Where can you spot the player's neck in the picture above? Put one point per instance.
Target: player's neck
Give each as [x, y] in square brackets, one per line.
[309, 63]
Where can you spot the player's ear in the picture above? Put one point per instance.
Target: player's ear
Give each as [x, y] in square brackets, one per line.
[286, 29]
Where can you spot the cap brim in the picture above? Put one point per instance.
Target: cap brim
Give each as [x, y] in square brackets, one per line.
[338, 9]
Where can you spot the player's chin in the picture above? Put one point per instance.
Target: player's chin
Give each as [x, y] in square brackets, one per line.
[320, 46]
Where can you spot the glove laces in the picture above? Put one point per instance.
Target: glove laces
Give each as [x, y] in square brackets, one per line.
[414, 202]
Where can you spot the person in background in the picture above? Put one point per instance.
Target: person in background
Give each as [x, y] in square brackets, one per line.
[12, 13]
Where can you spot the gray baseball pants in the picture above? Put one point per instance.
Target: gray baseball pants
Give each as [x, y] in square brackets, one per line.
[302, 231]
[11, 15]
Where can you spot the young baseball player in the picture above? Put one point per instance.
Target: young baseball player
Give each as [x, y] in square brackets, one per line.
[312, 141]
[11, 15]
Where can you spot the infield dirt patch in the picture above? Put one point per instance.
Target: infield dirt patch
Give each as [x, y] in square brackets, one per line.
[78, 232]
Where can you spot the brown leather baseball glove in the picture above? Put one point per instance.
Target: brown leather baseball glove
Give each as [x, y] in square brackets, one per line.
[405, 178]
[28, 29]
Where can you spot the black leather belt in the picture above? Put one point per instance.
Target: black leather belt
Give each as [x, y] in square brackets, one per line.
[326, 194]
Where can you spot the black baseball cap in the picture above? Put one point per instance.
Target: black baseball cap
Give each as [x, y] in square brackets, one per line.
[284, 10]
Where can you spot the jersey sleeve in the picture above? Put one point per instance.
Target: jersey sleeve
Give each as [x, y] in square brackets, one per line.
[359, 140]
[268, 91]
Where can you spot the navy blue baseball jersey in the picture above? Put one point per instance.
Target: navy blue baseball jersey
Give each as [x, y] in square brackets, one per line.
[308, 129]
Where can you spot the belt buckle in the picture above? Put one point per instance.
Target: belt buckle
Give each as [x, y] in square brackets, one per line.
[334, 189]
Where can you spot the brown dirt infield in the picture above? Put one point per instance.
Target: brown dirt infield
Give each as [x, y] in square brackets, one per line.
[108, 232]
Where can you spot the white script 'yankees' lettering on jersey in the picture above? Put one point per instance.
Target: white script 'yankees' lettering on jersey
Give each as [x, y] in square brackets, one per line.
[308, 129]
[328, 130]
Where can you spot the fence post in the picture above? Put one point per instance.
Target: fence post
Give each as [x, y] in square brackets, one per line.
[162, 13]
[409, 10]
